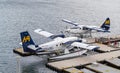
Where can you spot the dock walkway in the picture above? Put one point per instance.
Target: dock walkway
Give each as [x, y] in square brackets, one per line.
[60, 65]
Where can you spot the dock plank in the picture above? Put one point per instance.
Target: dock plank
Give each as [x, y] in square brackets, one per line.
[73, 70]
[103, 68]
[114, 61]
[87, 71]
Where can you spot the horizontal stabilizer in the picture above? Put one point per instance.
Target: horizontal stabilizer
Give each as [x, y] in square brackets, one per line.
[33, 47]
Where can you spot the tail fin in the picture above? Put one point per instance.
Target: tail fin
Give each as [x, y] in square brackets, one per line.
[26, 41]
[106, 24]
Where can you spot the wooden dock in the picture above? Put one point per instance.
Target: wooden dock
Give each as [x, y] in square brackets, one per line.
[20, 51]
[114, 62]
[105, 48]
[101, 68]
[74, 62]
[73, 70]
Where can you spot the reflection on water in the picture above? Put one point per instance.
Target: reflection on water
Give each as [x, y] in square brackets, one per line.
[34, 64]
[31, 68]
[21, 15]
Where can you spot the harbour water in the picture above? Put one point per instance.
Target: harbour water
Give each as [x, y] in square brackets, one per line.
[22, 15]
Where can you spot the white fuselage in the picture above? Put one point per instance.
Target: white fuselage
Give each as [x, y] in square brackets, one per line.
[80, 29]
[76, 31]
[57, 43]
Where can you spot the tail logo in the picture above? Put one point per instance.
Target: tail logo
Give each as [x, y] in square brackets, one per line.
[26, 38]
[107, 22]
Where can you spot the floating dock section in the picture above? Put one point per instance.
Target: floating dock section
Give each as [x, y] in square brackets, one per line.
[73, 70]
[79, 61]
[105, 48]
[21, 52]
[101, 68]
[114, 62]
[87, 71]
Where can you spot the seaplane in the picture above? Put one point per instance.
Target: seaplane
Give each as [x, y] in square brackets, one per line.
[58, 42]
[52, 47]
[84, 29]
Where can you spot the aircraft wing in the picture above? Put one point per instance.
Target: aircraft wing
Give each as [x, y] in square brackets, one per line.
[77, 25]
[48, 34]
[43, 33]
[70, 22]
[84, 46]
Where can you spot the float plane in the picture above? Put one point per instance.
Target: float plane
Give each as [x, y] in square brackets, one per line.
[46, 48]
[83, 29]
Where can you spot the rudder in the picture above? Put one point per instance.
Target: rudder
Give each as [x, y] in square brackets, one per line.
[26, 40]
[106, 24]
